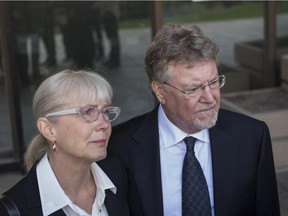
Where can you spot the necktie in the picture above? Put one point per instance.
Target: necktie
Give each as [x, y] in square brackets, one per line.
[195, 194]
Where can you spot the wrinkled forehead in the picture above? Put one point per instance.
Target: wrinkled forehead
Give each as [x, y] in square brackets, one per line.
[200, 69]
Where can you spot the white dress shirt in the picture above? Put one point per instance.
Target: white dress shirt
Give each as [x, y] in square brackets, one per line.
[54, 198]
[172, 152]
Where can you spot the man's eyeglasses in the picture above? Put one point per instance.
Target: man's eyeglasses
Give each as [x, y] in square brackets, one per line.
[216, 83]
[90, 113]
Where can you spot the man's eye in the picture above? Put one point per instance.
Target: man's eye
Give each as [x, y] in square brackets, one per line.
[213, 83]
[193, 90]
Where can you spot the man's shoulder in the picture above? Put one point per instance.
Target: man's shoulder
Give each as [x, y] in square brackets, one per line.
[110, 163]
[135, 122]
[130, 122]
[240, 119]
[126, 133]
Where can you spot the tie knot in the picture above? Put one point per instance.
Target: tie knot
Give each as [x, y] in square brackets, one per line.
[190, 143]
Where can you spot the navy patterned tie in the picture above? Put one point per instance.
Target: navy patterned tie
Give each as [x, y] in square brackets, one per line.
[195, 195]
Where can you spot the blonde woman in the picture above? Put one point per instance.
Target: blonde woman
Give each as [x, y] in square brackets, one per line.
[73, 115]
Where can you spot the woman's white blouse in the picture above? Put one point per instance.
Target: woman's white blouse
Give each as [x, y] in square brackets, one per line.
[54, 198]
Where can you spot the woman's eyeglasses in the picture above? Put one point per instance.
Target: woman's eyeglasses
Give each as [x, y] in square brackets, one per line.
[90, 113]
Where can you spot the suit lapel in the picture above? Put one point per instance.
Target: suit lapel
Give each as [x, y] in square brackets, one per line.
[58, 213]
[115, 204]
[111, 207]
[145, 158]
[224, 158]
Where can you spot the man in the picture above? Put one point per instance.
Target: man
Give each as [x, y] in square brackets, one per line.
[234, 150]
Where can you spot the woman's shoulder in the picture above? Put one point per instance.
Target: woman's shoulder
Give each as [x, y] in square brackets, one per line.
[17, 189]
[16, 195]
[24, 189]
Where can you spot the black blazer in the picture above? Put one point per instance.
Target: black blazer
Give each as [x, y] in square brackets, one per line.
[26, 195]
[242, 162]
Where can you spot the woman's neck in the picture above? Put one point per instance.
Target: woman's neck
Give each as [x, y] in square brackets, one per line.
[76, 181]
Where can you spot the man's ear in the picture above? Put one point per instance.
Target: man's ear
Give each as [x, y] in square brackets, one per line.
[158, 91]
[46, 128]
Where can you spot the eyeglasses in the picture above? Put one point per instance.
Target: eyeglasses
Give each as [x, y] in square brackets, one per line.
[90, 113]
[216, 83]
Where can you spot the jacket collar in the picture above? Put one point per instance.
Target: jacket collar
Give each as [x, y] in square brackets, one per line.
[224, 148]
[147, 169]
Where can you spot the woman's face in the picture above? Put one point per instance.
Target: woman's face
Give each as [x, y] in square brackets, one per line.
[80, 140]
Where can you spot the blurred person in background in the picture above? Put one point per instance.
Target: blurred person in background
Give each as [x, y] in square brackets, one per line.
[108, 17]
[26, 29]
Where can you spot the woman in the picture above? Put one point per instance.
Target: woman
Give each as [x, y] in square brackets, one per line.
[73, 114]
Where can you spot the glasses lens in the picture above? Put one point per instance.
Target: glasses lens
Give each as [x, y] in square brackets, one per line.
[112, 113]
[89, 113]
[214, 83]
[194, 92]
[92, 113]
[221, 81]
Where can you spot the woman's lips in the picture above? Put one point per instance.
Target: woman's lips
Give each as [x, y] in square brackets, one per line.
[100, 141]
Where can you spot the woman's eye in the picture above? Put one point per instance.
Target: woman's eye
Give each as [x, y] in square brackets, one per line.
[90, 111]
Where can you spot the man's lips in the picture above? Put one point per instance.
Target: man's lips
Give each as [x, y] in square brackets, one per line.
[206, 109]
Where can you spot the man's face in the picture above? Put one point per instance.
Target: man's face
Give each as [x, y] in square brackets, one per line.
[192, 113]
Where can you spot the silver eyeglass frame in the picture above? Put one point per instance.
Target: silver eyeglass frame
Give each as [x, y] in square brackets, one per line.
[81, 111]
[221, 79]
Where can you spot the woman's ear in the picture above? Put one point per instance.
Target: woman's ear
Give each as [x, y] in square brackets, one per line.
[158, 91]
[46, 128]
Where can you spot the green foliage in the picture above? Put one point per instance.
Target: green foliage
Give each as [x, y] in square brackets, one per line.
[188, 11]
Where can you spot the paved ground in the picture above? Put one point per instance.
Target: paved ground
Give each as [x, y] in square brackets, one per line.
[131, 90]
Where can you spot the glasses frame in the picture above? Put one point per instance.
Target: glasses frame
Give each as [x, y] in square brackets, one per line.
[80, 111]
[221, 79]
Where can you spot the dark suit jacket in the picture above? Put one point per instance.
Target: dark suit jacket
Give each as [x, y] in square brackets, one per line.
[242, 162]
[26, 195]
